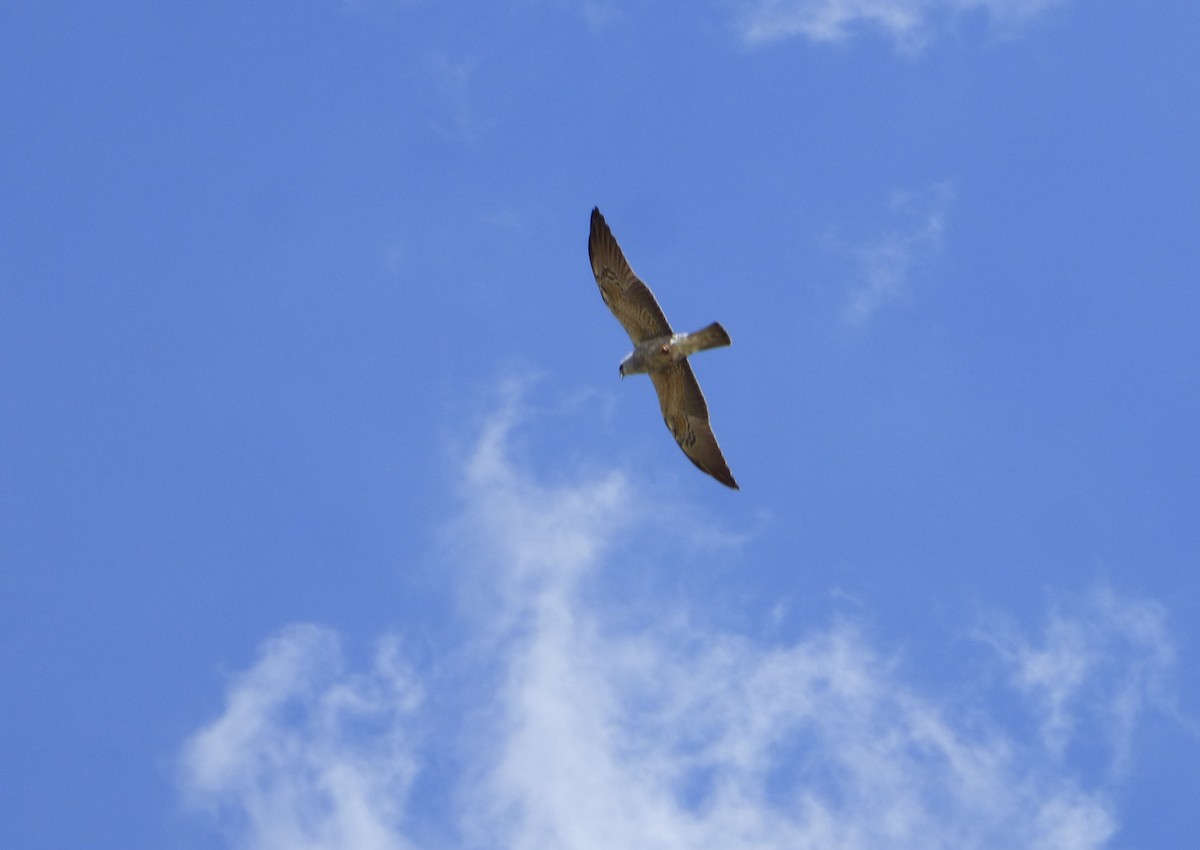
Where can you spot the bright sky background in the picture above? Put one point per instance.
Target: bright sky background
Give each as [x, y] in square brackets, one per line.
[326, 522]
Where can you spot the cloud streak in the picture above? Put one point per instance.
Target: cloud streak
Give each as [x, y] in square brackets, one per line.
[1098, 666]
[909, 23]
[590, 732]
[885, 263]
[307, 754]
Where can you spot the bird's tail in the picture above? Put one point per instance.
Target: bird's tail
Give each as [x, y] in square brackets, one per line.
[713, 336]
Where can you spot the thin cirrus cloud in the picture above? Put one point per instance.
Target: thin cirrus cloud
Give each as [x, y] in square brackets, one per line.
[885, 262]
[909, 23]
[288, 763]
[589, 732]
[1101, 664]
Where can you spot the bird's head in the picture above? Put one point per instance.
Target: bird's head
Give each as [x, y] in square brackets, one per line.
[621, 370]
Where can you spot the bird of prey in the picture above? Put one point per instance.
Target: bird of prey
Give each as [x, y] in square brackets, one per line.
[660, 352]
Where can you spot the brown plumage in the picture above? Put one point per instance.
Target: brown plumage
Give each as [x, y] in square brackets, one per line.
[660, 352]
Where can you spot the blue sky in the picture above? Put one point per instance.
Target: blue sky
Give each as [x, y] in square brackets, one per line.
[326, 522]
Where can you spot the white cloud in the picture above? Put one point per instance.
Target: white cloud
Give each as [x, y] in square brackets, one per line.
[305, 754]
[452, 83]
[590, 733]
[1098, 667]
[886, 262]
[910, 23]
[601, 16]
[365, 5]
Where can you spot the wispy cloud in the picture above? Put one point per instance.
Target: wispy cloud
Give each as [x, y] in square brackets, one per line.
[594, 733]
[1099, 665]
[365, 5]
[910, 23]
[600, 15]
[453, 82]
[307, 754]
[886, 262]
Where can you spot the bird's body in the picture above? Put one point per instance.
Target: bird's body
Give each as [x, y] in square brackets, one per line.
[659, 352]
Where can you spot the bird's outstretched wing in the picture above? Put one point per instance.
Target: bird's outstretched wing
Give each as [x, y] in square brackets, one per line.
[686, 414]
[630, 300]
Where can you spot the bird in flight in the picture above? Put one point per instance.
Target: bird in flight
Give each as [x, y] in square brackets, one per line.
[659, 352]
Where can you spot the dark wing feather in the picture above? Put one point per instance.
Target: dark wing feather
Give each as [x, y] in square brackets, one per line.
[686, 414]
[630, 300]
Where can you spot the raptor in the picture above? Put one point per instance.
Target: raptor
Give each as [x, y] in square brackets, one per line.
[660, 352]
